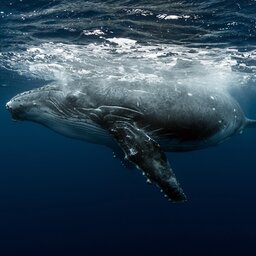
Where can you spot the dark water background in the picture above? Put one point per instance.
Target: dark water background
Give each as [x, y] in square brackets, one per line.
[65, 197]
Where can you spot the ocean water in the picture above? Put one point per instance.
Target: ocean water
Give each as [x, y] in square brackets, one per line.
[64, 197]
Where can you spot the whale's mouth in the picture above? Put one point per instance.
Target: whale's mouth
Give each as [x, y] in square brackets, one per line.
[17, 113]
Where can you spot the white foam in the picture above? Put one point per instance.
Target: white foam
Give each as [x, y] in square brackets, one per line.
[123, 60]
[139, 11]
[96, 32]
[172, 17]
[123, 42]
[35, 50]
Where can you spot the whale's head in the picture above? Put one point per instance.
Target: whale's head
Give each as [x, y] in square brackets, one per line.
[49, 105]
[37, 105]
[60, 110]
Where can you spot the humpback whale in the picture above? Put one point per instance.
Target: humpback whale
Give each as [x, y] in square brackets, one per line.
[140, 121]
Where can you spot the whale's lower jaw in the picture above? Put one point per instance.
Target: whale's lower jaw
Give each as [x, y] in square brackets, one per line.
[76, 129]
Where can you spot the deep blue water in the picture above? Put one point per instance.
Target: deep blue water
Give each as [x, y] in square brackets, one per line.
[64, 197]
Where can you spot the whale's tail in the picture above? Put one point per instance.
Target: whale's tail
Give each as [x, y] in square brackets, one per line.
[250, 123]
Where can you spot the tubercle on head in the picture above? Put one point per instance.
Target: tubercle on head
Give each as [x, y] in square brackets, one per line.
[39, 89]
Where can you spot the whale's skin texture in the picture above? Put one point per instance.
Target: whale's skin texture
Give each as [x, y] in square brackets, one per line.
[141, 120]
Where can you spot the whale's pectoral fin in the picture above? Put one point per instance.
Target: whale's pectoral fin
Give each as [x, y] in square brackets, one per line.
[119, 154]
[147, 155]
